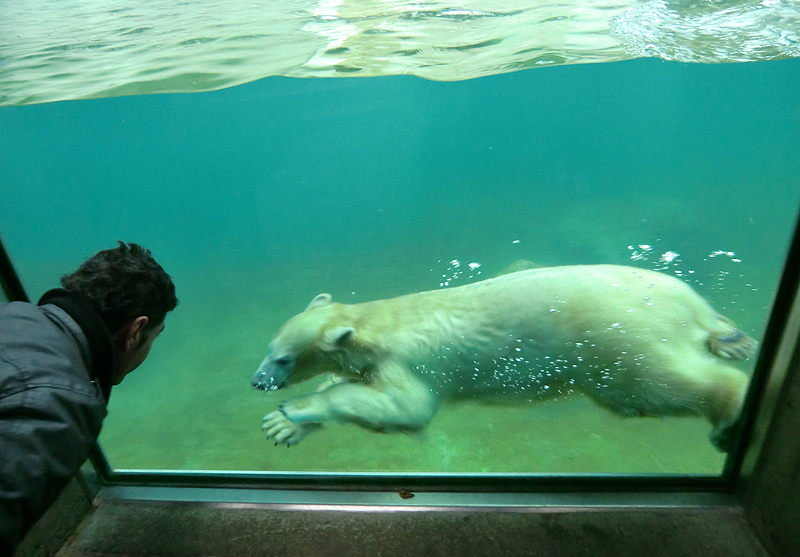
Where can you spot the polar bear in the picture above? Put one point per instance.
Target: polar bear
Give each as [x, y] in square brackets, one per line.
[638, 342]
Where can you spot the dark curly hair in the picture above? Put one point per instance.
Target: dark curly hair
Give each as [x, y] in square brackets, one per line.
[124, 283]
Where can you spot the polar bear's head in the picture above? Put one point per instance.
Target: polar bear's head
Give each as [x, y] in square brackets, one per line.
[308, 344]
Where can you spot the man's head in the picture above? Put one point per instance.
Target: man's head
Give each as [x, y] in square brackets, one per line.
[132, 294]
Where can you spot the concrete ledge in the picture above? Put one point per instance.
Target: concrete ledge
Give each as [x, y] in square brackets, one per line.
[116, 528]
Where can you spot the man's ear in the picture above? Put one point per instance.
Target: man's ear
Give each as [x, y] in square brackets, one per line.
[337, 337]
[134, 331]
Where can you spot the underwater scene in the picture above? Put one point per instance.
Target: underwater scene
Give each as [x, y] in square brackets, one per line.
[370, 184]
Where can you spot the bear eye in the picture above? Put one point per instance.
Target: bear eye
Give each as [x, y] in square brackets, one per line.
[283, 361]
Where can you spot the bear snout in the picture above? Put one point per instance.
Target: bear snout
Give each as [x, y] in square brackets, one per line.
[269, 377]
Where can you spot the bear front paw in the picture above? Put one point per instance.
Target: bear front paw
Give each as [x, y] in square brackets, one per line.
[284, 432]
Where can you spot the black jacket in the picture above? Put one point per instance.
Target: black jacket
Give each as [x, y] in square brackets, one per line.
[56, 361]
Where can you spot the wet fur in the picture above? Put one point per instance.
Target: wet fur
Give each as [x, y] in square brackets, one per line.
[638, 342]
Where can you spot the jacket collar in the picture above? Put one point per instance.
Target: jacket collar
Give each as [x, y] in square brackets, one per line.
[96, 331]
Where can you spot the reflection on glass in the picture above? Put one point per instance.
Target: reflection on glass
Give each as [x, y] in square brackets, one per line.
[259, 197]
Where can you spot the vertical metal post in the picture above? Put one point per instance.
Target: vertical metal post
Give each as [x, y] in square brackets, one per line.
[9, 280]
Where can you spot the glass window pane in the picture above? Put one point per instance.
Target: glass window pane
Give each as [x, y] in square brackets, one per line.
[259, 197]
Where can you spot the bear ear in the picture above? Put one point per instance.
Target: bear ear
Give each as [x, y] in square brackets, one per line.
[319, 301]
[337, 337]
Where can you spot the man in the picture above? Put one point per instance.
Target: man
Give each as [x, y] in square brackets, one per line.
[58, 361]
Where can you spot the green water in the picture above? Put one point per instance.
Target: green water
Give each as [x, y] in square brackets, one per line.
[258, 197]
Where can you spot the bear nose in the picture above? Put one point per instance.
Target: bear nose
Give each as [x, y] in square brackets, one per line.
[268, 377]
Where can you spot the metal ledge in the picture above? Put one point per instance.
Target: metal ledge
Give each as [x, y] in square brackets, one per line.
[383, 501]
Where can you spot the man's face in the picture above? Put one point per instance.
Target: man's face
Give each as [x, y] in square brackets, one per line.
[134, 350]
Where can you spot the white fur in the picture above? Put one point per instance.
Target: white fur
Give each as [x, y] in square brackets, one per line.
[638, 342]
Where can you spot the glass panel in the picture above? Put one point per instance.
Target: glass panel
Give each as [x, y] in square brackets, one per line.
[259, 197]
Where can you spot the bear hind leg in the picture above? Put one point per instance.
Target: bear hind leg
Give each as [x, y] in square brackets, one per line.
[700, 386]
[725, 394]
